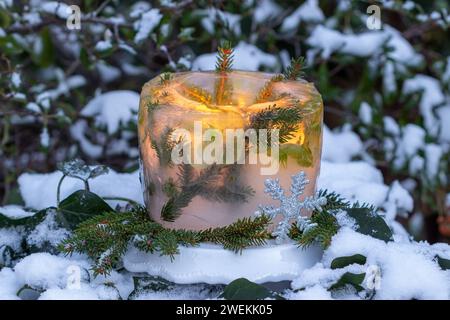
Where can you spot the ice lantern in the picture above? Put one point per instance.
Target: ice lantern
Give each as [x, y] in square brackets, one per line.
[209, 140]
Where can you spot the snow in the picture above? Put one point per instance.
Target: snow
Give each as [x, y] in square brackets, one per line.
[364, 44]
[146, 24]
[47, 232]
[432, 96]
[112, 184]
[308, 12]
[365, 113]
[340, 146]
[57, 8]
[246, 57]
[213, 16]
[15, 212]
[113, 108]
[407, 268]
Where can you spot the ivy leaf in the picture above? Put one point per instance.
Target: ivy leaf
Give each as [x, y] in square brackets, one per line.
[79, 206]
[370, 223]
[243, 289]
[348, 278]
[341, 262]
[443, 263]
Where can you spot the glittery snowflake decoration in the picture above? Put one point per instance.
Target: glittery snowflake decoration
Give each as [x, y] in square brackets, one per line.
[291, 207]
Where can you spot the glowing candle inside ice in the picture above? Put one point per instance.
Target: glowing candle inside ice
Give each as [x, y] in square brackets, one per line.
[204, 163]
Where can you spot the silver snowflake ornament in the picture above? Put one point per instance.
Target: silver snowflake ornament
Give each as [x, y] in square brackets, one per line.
[291, 207]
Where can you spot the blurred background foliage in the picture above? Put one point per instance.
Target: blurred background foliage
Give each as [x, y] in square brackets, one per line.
[50, 73]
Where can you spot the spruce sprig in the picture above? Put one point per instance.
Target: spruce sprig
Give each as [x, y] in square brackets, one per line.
[223, 87]
[266, 91]
[296, 69]
[215, 182]
[225, 55]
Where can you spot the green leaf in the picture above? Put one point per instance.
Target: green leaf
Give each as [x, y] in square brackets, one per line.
[443, 263]
[46, 56]
[5, 18]
[348, 278]
[80, 206]
[243, 289]
[341, 262]
[28, 222]
[370, 223]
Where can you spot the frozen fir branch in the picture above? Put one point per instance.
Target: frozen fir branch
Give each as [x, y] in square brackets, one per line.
[296, 69]
[196, 93]
[215, 182]
[285, 119]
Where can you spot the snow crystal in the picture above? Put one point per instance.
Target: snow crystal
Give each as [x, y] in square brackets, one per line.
[308, 12]
[86, 293]
[45, 138]
[103, 45]
[11, 237]
[77, 132]
[356, 181]
[111, 184]
[113, 108]
[246, 57]
[364, 44]
[145, 25]
[340, 146]
[315, 292]
[433, 155]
